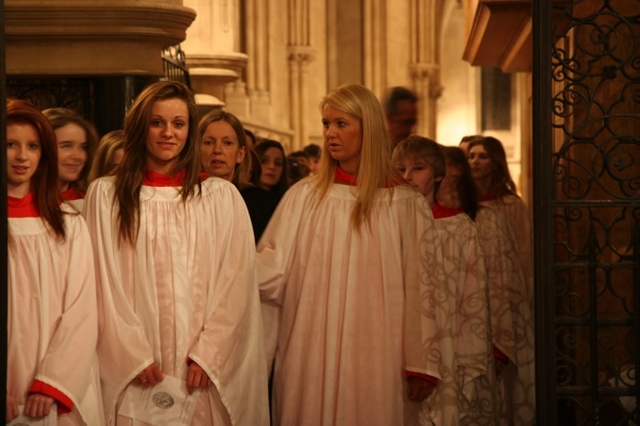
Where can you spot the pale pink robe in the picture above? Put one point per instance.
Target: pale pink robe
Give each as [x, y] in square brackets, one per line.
[358, 308]
[187, 290]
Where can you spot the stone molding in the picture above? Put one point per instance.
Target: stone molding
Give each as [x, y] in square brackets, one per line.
[91, 38]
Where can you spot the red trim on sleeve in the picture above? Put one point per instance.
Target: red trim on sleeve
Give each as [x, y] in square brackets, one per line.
[65, 405]
[497, 353]
[426, 377]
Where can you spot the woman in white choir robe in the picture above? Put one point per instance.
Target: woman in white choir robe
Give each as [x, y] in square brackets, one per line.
[350, 261]
[490, 170]
[52, 320]
[177, 293]
[77, 140]
[423, 164]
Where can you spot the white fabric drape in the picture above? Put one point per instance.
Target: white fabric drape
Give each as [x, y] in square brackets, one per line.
[357, 308]
[185, 290]
[52, 319]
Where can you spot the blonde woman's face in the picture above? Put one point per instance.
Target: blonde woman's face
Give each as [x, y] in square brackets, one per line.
[343, 138]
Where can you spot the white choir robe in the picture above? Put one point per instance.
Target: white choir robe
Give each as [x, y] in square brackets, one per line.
[511, 318]
[52, 319]
[186, 290]
[357, 308]
[466, 277]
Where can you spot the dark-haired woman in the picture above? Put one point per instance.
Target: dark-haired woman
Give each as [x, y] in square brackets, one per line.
[52, 320]
[274, 167]
[175, 254]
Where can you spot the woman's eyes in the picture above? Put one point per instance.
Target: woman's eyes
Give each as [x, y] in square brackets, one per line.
[34, 146]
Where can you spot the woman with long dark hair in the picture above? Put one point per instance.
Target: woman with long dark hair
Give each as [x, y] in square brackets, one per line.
[178, 299]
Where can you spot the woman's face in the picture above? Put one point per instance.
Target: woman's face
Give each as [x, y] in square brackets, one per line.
[418, 174]
[272, 163]
[23, 156]
[72, 153]
[343, 136]
[221, 151]
[480, 163]
[167, 134]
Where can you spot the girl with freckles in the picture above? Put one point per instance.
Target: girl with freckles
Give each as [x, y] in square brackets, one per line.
[348, 262]
[177, 298]
[52, 322]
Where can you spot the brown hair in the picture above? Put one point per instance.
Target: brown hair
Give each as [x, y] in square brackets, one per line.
[44, 182]
[467, 191]
[501, 182]
[129, 175]
[60, 117]
[261, 147]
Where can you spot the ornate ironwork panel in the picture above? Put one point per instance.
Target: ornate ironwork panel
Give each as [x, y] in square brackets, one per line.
[592, 258]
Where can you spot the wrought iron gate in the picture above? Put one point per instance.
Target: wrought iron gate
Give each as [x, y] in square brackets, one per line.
[587, 208]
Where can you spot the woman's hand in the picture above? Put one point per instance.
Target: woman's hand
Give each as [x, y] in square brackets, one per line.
[197, 378]
[148, 377]
[12, 408]
[38, 405]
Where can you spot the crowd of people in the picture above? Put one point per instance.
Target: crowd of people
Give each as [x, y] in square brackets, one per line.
[182, 271]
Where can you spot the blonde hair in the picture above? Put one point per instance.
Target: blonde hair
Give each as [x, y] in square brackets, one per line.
[375, 169]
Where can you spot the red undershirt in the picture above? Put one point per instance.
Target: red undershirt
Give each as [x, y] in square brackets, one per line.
[72, 194]
[151, 178]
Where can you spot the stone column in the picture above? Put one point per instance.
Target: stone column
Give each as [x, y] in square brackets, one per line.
[424, 61]
[213, 56]
[299, 58]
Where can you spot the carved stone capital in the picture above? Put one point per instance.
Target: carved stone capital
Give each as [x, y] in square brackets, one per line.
[301, 54]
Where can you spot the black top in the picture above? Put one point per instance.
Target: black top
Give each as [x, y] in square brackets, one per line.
[261, 205]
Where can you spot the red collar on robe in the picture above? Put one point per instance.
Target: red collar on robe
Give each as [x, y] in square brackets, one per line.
[72, 194]
[151, 178]
[22, 207]
[440, 211]
[352, 180]
[485, 197]
[345, 178]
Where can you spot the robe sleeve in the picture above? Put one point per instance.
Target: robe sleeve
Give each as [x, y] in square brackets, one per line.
[123, 348]
[230, 347]
[279, 243]
[67, 362]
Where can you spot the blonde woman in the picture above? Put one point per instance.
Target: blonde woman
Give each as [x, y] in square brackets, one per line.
[347, 263]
